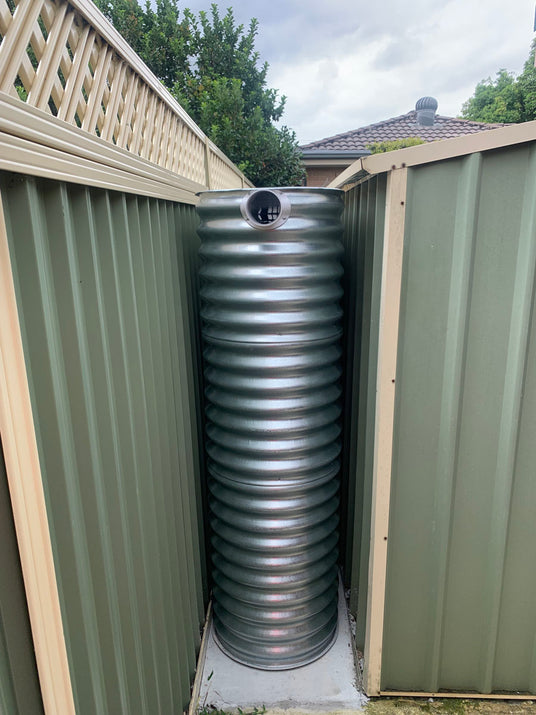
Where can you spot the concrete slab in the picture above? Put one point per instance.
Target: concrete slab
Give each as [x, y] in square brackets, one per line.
[329, 684]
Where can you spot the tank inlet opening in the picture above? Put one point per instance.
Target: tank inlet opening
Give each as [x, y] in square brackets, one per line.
[265, 209]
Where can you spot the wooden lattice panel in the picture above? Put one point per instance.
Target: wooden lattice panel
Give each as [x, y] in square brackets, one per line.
[54, 59]
[222, 175]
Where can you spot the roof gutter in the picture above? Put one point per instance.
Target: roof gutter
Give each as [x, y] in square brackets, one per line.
[326, 154]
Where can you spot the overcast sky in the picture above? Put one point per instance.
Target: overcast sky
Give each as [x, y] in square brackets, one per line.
[346, 63]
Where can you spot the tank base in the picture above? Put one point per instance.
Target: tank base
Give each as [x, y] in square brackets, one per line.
[306, 660]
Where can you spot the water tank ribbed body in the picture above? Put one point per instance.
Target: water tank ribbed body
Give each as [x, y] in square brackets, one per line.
[271, 316]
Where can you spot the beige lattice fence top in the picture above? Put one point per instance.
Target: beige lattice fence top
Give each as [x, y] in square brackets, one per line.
[65, 58]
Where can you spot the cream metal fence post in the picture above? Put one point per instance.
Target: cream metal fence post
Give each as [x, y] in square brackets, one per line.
[395, 211]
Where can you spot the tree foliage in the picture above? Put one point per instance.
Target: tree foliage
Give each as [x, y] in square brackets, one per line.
[506, 98]
[391, 145]
[209, 63]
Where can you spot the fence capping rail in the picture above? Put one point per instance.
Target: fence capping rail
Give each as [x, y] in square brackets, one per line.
[34, 143]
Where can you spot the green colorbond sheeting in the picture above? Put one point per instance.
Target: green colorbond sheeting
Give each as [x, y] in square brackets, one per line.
[363, 242]
[20, 693]
[460, 611]
[105, 288]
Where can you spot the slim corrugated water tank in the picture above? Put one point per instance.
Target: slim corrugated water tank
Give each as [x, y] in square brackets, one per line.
[270, 293]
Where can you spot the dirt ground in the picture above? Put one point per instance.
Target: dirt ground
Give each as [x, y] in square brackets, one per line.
[448, 706]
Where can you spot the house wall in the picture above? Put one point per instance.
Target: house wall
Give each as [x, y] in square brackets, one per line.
[322, 176]
[105, 287]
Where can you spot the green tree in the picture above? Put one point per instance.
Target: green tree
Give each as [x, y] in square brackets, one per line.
[209, 63]
[391, 145]
[506, 98]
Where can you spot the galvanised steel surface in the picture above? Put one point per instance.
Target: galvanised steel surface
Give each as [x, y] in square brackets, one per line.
[270, 292]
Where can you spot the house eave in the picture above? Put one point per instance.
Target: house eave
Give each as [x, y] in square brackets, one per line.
[312, 157]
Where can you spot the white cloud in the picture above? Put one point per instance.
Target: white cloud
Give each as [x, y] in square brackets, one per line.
[346, 63]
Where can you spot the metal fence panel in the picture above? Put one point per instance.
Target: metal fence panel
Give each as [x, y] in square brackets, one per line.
[363, 242]
[461, 588]
[106, 310]
[19, 684]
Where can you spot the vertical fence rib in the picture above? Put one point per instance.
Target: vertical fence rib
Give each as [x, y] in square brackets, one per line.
[451, 393]
[28, 501]
[517, 350]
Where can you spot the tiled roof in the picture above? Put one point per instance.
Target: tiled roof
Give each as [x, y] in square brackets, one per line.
[399, 128]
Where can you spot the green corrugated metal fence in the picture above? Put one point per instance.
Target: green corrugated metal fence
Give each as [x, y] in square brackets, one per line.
[363, 242]
[19, 685]
[460, 607]
[105, 285]
[460, 599]
[107, 294]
